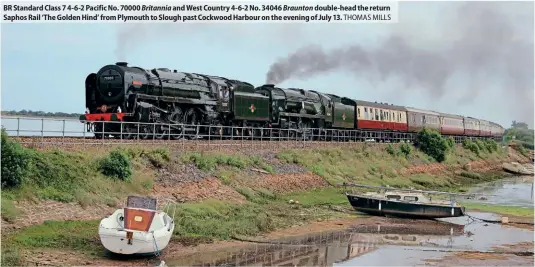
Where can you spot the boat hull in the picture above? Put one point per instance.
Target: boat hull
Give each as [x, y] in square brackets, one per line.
[142, 243]
[136, 231]
[379, 207]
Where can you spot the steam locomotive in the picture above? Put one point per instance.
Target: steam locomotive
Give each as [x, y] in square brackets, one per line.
[169, 104]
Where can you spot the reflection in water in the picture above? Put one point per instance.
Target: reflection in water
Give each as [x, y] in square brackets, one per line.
[323, 249]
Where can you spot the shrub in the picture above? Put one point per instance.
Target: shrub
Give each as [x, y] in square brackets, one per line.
[521, 149]
[117, 164]
[492, 146]
[158, 157]
[391, 150]
[468, 144]
[405, 148]
[15, 162]
[481, 145]
[451, 142]
[432, 144]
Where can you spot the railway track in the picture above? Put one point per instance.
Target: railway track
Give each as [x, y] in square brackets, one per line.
[230, 146]
[70, 133]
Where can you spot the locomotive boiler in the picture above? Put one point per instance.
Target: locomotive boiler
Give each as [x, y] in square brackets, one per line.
[169, 100]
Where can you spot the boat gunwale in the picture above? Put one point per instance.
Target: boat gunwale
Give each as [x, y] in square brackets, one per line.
[406, 202]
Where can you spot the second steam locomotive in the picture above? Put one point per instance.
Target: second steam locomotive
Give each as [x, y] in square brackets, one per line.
[169, 103]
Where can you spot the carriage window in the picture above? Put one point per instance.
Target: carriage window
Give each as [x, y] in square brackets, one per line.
[395, 197]
[389, 237]
[408, 238]
[410, 198]
[381, 115]
[365, 113]
[358, 112]
[376, 114]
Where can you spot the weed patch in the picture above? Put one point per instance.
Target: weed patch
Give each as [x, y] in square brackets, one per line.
[503, 210]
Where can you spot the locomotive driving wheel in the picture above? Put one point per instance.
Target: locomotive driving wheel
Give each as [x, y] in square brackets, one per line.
[145, 131]
[176, 118]
[162, 130]
[191, 120]
[127, 131]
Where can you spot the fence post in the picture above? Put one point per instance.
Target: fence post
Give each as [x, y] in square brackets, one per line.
[42, 127]
[63, 130]
[18, 126]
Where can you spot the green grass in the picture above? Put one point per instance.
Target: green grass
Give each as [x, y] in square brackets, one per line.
[317, 197]
[9, 211]
[503, 210]
[81, 236]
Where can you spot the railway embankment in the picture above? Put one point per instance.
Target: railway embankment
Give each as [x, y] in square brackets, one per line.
[53, 199]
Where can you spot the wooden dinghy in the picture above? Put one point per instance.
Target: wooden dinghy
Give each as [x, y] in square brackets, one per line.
[407, 203]
[139, 228]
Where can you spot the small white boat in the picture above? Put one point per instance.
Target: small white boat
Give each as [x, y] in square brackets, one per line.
[137, 229]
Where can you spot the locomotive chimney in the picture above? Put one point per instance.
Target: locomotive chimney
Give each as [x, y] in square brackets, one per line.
[174, 71]
[269, 85]
[122, 64]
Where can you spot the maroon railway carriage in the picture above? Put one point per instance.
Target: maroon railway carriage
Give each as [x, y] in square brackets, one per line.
[471, 126]
[451, 124]
[380, 116]
[418, 119]
[484, 128]
[496, 130]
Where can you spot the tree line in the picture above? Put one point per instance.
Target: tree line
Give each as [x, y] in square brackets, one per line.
[520, 133]
[31, 113]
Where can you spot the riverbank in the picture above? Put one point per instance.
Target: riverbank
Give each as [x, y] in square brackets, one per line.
[222, 195]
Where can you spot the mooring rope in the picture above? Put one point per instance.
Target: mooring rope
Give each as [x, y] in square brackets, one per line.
[156, 244]
[495, 221]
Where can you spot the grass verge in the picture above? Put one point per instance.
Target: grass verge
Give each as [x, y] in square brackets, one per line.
[502, 210]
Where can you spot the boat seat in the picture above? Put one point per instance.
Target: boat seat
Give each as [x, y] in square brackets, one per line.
[138, 219]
